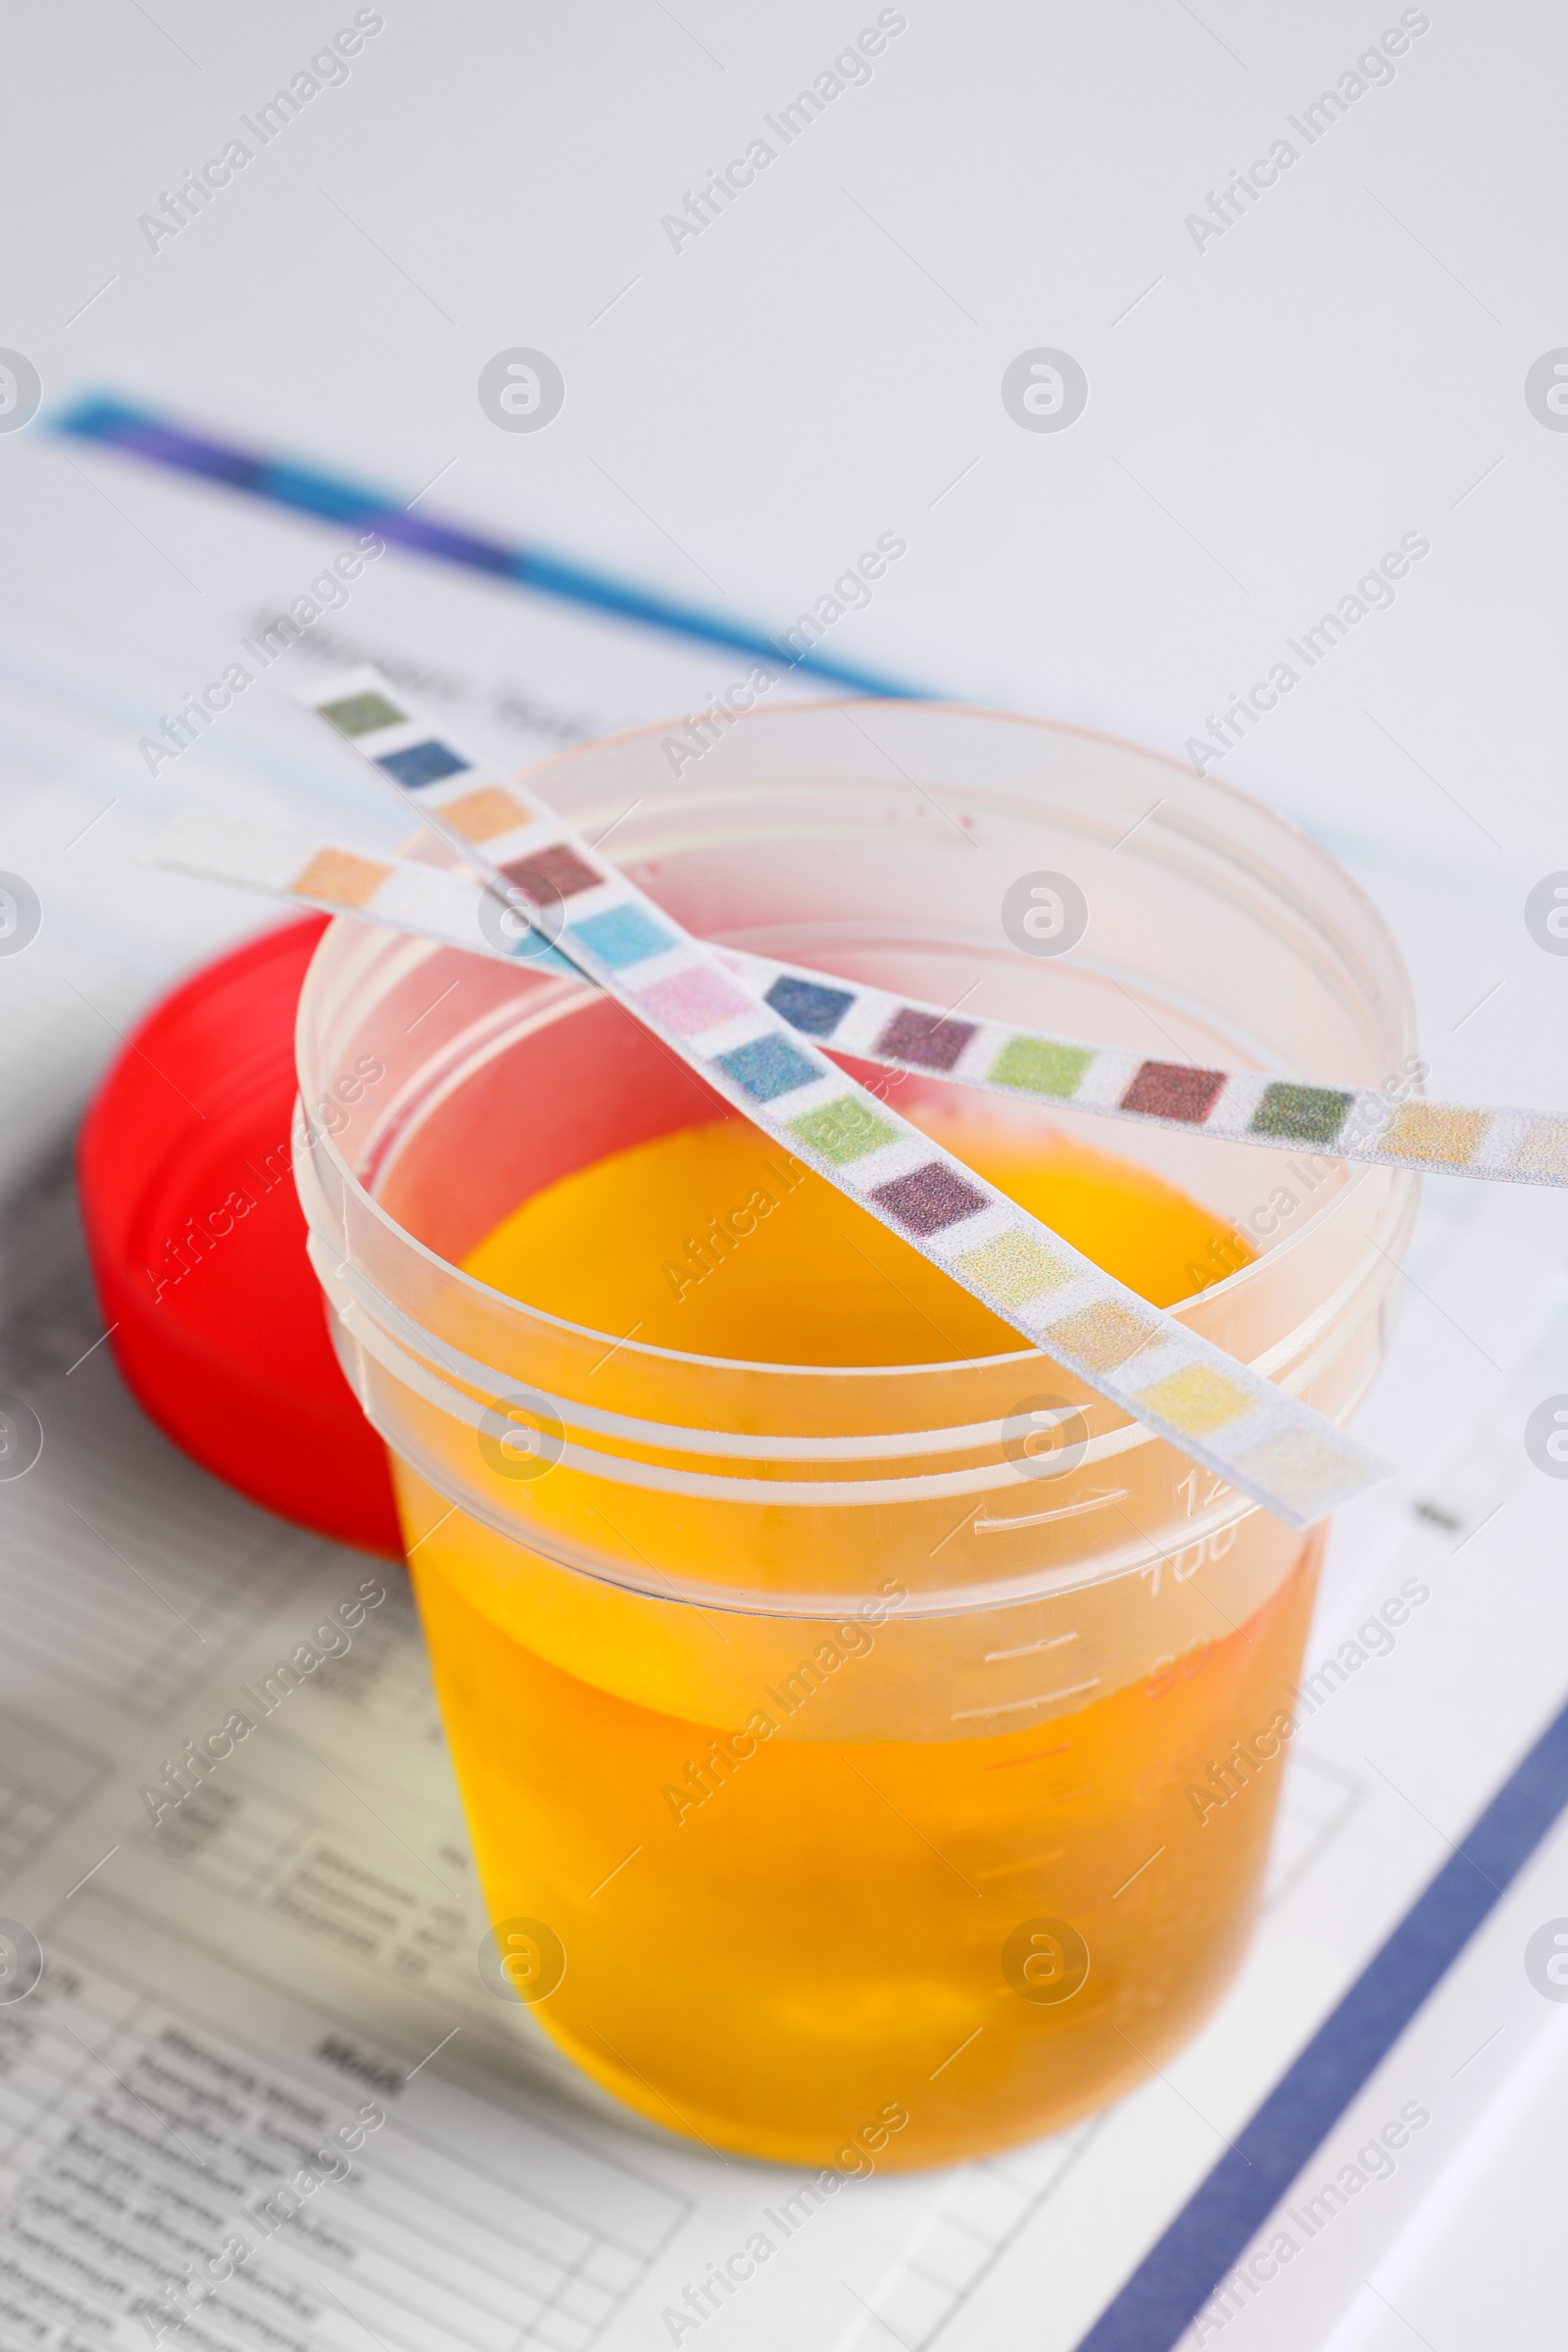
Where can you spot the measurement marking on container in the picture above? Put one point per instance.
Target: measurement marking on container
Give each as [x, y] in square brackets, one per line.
[1067, 1510]
[994, 1656]
[1139, 1872]
[1015, 1706]
[957, 2053]
[1036, 1756]
[1184, 1563]
[616, 1873]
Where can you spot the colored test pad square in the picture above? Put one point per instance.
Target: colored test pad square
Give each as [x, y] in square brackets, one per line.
[694, 1001]
[815, 1012]
[1545, 1150]
[1016, 1268]
[484, 815]
[930, 1198]
[340, 878]
[932, 1042]
[1039, 1067]
[1101, 1337]
[422, 763]
[1300, 1114]
[844, 1131]
[556, 873]
[1431, 1131]
[1173, 1090]
[768, 1066]
[1302, 1469]
[622, 935]
[1195, 1400]
[361, 714]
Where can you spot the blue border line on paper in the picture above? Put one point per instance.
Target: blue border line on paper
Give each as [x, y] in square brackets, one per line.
[159, 441]
[1217, 2223]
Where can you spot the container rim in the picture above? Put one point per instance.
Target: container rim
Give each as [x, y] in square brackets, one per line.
[1355, 1174]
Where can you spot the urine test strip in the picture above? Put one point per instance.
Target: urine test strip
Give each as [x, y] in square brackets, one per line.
[1241, 1106]
[871, 1024]
[1219, 1412]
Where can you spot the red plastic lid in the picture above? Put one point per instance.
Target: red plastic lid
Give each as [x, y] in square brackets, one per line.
[197, 1242]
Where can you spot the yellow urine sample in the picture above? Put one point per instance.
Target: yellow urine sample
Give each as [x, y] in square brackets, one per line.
[827, 1949]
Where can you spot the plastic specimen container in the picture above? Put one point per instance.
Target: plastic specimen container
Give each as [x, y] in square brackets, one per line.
[848, 1784]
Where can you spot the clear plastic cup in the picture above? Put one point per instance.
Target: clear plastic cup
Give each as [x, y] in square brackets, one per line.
[851, 1783]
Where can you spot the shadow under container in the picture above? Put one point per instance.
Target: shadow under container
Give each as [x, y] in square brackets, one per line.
[849, 1786]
